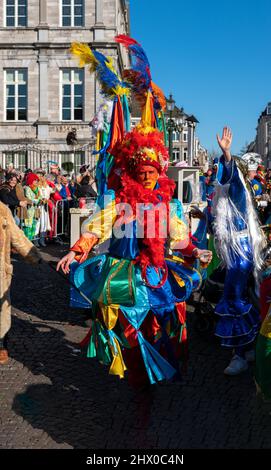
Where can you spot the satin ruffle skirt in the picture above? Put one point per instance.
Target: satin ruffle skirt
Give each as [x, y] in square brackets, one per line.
[238, 320]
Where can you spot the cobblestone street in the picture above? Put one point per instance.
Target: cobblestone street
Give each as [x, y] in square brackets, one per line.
[53, 397]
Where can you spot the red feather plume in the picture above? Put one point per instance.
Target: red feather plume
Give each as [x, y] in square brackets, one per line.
[126, 41]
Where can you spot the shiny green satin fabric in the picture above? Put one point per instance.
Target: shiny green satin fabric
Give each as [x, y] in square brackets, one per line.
[118, 283]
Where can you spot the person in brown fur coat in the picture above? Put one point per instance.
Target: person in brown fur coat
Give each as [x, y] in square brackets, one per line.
[11, 237]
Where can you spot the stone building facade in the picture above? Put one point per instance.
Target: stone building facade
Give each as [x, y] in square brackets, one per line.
[43, 92]
[262, 143]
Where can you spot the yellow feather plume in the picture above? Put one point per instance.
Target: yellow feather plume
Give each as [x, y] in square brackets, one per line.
[85, 55]
[110, 81]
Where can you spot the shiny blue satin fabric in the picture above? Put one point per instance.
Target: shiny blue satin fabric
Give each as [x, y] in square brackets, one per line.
[127, 246]
[91, 278]
[239, 321]
[156, 366]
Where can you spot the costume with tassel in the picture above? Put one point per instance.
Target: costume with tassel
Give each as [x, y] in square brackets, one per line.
[138, 287]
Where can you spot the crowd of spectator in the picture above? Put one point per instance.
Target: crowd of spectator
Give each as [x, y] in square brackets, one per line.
[40, 201]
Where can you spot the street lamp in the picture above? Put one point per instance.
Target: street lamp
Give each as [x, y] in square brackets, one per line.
[170, 124]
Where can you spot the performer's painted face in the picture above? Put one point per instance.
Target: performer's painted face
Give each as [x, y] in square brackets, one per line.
[148, 176]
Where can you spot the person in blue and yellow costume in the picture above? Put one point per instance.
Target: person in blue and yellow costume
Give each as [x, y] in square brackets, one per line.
[240, 243]
[139, 288]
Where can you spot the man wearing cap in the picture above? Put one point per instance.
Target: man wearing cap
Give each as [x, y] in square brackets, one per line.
[54, 169]
[239, 243]
[253, 160]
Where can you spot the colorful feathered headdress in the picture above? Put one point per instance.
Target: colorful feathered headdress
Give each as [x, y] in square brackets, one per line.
[139, 76]
[111, 83]
[141, 146]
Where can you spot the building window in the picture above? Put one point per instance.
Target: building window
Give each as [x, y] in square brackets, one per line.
[16, 94]
[18, 158]
[185, 136]
[73, 13]
[176, 155]
[16, 13]
[175, 136]
[72, 94]
[8, 158]
[185, 155]
[76, 158]
[269, 108]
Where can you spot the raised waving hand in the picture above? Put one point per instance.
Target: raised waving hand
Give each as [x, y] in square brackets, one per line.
[225, 142]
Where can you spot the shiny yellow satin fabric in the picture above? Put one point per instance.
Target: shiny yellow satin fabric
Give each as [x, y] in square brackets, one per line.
[148, 118]
[178, 279]
[99, 141]
[118, 366]
[110, 315]
[101, 223]
[178, 233]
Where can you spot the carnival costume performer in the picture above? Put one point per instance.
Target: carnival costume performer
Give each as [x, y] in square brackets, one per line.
[139, 287]
[239, 243]
[138, 292]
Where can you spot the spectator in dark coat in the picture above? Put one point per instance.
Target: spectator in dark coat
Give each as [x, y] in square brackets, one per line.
[8, 194]
[84, 189]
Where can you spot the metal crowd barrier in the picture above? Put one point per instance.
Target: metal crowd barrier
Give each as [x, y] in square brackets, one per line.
[59, 215]
[25, 217]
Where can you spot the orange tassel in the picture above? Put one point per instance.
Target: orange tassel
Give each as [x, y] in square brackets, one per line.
[83, 246]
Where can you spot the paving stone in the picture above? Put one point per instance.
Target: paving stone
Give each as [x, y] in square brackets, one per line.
[52, 397]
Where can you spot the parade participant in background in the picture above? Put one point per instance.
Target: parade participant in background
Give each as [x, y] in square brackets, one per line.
[258, 187]
[239, 244]
[22, 210]
[203, 236]
[53, 206]
[11, 237]
[253, 160]
[65, 193]
[45, 192]
[32, 222]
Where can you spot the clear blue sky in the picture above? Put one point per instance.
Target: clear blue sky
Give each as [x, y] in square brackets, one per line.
[214, 56]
